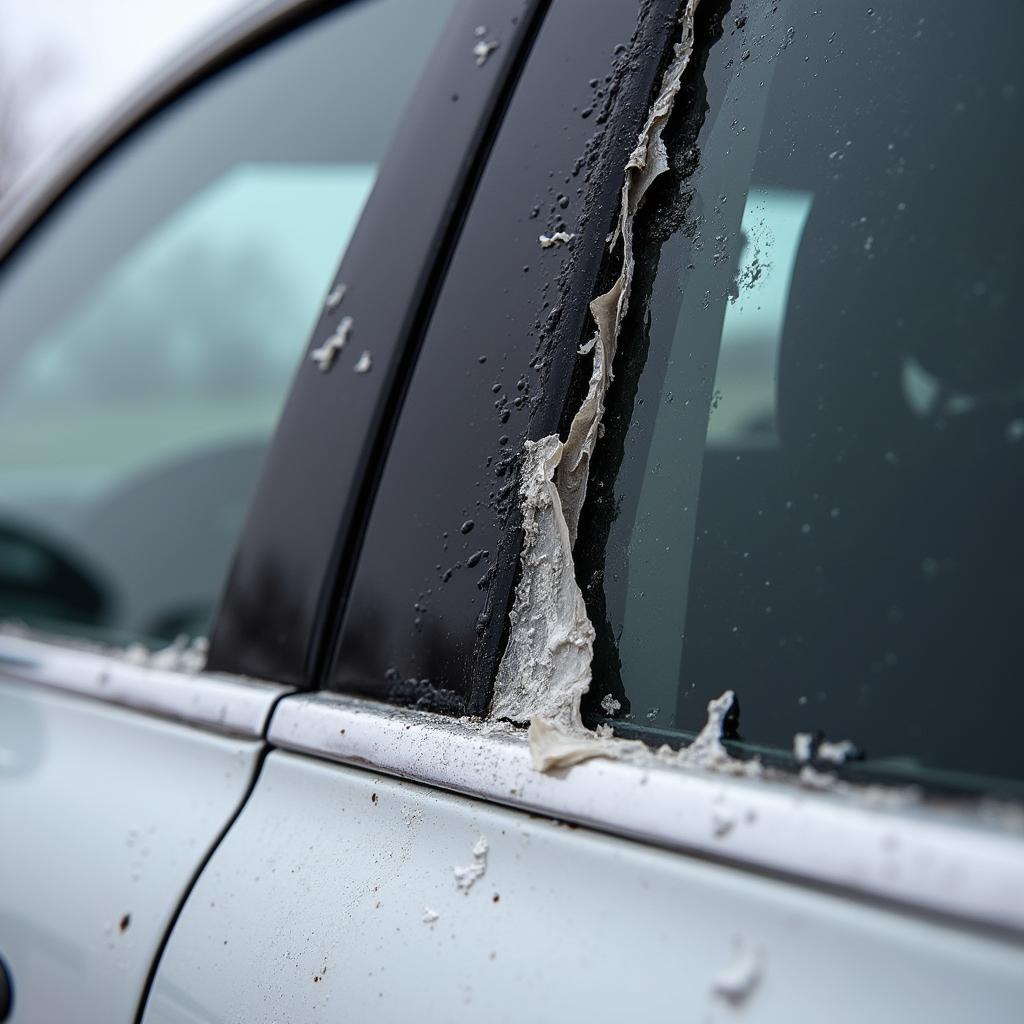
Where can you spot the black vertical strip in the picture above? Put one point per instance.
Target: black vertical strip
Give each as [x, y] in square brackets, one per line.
[292, 567]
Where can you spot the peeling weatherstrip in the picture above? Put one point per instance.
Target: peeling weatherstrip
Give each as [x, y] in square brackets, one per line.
[874, 841]
[144, 681]
[546, 666]
[647, 162]
[545, 669]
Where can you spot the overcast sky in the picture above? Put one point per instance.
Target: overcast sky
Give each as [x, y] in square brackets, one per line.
[104, 48]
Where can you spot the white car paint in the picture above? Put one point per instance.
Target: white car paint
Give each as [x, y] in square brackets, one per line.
[320, 905]
[107, 814]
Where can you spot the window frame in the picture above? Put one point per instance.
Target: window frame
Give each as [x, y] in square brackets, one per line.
[438, 156]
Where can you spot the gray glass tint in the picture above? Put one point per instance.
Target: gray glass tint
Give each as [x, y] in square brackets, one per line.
[811, 489]
[150, 327]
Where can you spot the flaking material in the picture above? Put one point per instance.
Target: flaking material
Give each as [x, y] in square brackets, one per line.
[551, 748]
[546, 666]
[647, 162]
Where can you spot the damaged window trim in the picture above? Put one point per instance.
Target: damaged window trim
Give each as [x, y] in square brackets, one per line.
[884, 845]
[131, 678]
[546, 667]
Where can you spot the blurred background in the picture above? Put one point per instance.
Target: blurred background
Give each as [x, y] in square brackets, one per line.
[65, 63]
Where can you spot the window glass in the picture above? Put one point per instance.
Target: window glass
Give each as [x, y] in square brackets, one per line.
[149, 328]
[811, 489]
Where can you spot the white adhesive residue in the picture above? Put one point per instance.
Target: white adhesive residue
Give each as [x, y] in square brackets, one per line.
[646, 163]
[706, 751]
[325, 354]
[609, 705]
[736, 983]
[185, 654]
[558, 238]
[334, 297]
[545, 669]
[466, 876]
[429, 915]
[546, 666]
[836, 753]
[483, 49]
[363, 364]
[551, 747]
[803, 747]
[813, 779]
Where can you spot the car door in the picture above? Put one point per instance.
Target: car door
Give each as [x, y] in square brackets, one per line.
[409, 848]
[154, 301]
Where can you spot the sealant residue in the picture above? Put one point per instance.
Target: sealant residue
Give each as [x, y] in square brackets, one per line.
[183, 654]
[707, 750]
[546, 666]
[737, 982]
[466, 876]
[552, 748]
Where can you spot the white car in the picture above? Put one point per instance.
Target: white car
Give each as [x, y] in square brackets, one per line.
[598, 598]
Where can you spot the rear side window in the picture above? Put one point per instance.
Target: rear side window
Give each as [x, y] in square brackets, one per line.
[811, 489]
[150, 327]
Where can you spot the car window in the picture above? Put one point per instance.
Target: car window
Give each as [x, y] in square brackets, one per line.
[811, 486]
[150, 327]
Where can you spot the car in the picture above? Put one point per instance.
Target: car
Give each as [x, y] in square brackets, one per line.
[510, 509]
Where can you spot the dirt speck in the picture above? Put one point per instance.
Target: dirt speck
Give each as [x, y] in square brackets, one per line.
[374, 798]
[122, 925]
[495, 898]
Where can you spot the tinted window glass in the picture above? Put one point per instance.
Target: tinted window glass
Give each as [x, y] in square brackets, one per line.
[150, 327]
[812, 485]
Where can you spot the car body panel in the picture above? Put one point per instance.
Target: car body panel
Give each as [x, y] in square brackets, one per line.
[108, 815]
[320, 903]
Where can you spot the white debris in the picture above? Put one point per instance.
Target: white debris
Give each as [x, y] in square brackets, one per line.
[707, 751]
[836, 753]
[334, 297]
[325, 354]
[803, 748]
[135, 654]
[466, 876]
[429, 915]
[363, 364]
[558, 238]
[490, 728]
[483, 49]
[736, 983]
[546, 666]
[183, 654]
[609, 705]
[813, 779]
[647, 162]
[545, 669]
[551, 747]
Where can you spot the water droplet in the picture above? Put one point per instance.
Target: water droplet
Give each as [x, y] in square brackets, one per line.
[467, 526]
